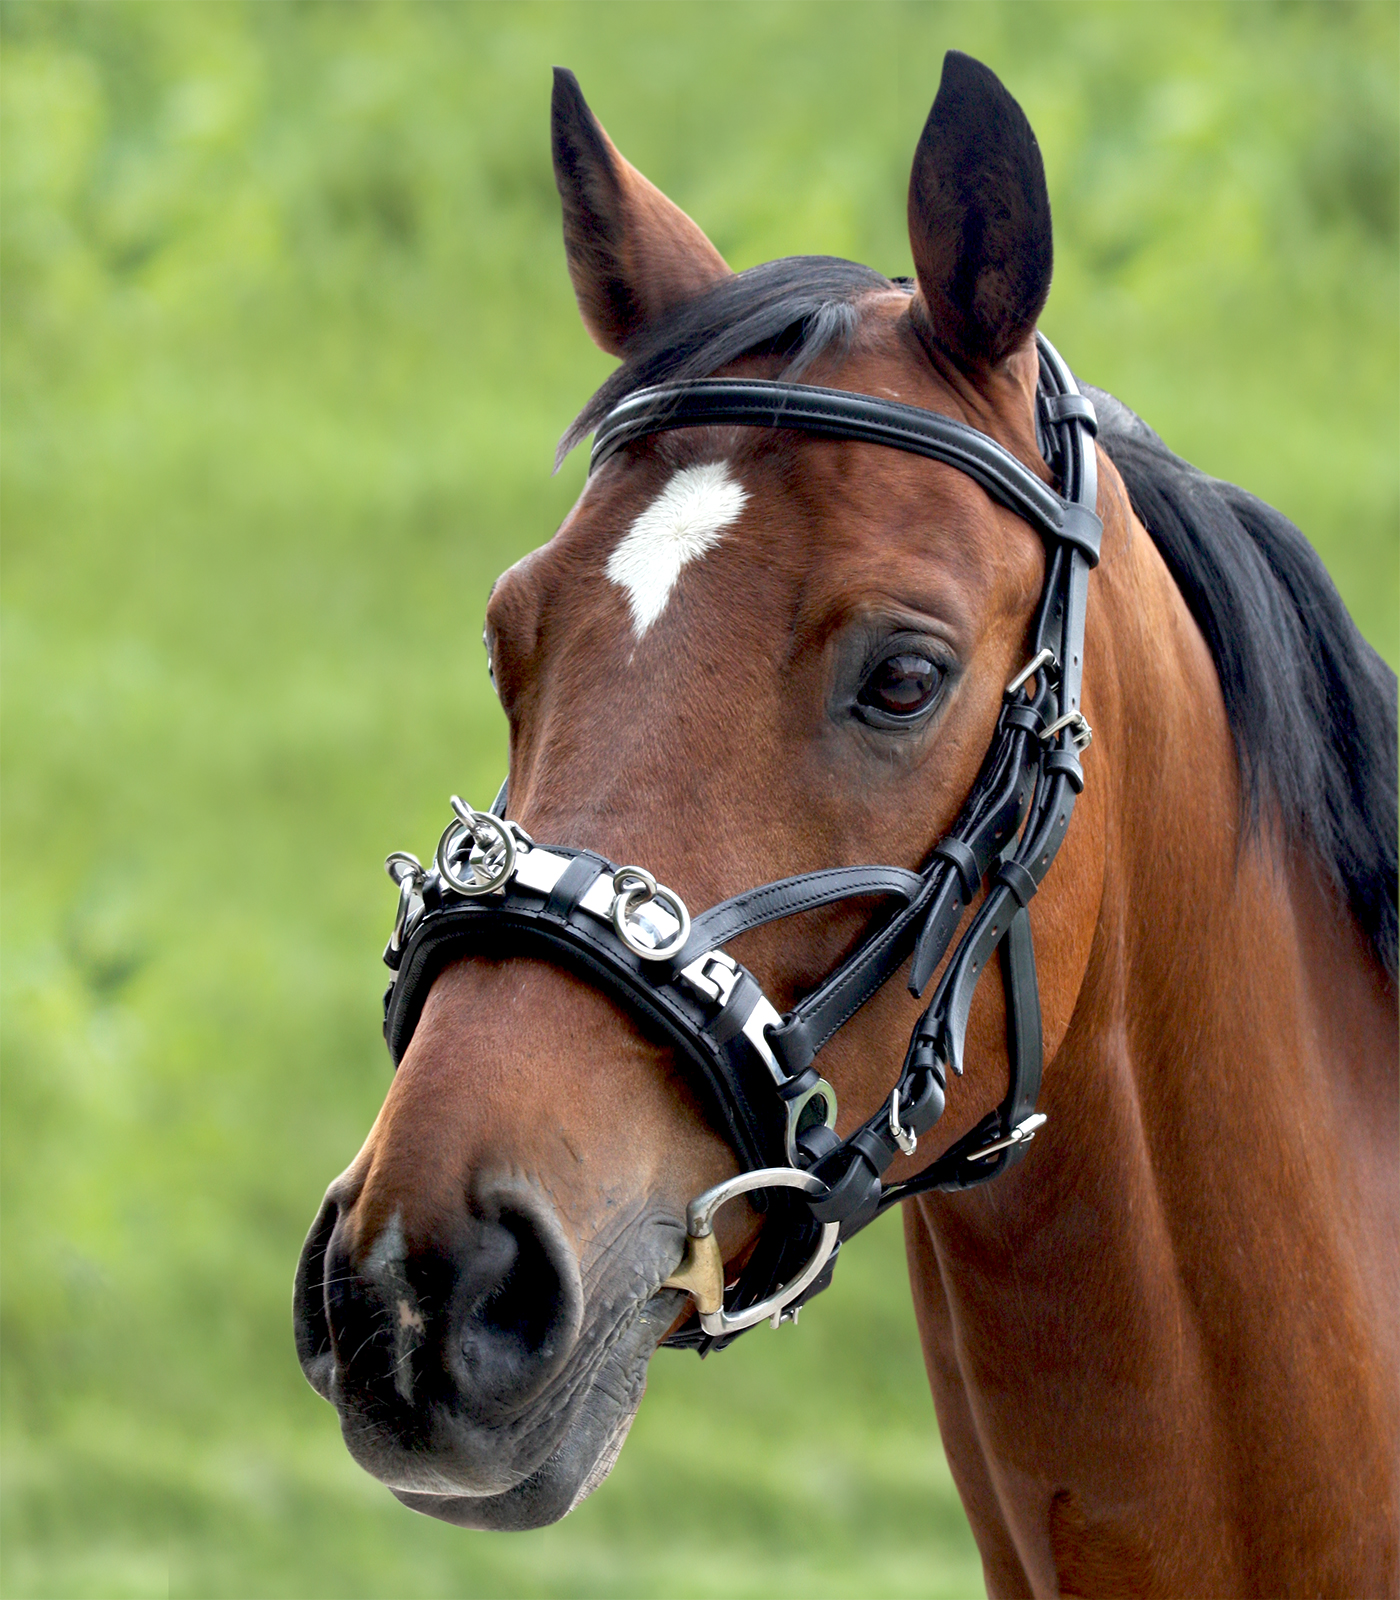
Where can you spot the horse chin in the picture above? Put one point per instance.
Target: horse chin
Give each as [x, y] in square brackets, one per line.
[566, 1479]
[594, 1430]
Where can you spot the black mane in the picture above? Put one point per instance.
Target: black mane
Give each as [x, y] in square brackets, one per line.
[1311, 705]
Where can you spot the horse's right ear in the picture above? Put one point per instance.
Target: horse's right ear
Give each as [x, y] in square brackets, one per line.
[979, 220]
[632, 253]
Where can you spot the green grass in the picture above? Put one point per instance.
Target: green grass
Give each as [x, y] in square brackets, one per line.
[287, 344]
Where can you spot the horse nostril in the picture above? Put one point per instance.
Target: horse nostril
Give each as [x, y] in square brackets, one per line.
[523, 1307]
[309, 1320]
[520, 1306]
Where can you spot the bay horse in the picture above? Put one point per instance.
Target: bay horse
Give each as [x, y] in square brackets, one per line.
[770, 646]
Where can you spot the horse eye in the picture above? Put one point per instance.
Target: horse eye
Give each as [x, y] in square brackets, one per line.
[902, 686]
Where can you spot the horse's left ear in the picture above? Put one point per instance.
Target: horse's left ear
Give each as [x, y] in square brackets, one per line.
[979, 219]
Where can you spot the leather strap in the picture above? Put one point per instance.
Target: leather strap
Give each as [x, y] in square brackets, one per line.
[787, 898]
[836, 414]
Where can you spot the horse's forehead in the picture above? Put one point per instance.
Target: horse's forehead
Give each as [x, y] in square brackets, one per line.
[811, 526]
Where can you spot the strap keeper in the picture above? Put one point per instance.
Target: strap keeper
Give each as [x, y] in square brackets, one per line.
[1082, 528]
[962, 859]
[1017, 880]
[1071, 408]
[1065, 763]
[1020, 715]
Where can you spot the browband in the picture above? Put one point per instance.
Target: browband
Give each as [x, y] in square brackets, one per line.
[840, 414]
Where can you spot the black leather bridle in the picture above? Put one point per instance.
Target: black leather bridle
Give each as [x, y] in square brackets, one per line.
[494, 891]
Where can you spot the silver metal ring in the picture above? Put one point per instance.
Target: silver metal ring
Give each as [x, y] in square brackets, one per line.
[490, 861]
[626, 878]
[402, 864]
[820, 1090]
[636, 887]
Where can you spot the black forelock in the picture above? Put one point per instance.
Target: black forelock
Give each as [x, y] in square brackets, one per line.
[799, 306]
[1311, 706]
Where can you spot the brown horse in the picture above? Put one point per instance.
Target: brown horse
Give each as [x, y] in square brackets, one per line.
[1163, 1348]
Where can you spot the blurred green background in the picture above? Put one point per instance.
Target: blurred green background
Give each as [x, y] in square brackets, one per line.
[287, 344]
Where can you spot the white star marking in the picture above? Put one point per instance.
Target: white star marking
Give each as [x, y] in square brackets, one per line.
[683, 522]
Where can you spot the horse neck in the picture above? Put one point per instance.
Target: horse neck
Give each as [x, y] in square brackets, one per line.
[1201, 1240]
[1230, 997]
[1229, 1023]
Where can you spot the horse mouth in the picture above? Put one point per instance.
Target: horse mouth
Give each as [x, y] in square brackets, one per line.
[590, 1444]
[477, 1382]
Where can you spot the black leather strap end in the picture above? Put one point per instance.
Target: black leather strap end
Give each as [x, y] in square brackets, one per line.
[1066, 764]
[1018, 880]
[744, 996]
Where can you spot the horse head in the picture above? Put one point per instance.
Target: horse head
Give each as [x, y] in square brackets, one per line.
[762, 649]
[745, 655]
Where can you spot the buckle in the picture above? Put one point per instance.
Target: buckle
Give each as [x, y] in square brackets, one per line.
[1022, 1133]
[712, 977]
[1043, 658]
[1080, 733]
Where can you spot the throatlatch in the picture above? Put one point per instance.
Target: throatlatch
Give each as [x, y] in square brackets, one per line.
[491, 888]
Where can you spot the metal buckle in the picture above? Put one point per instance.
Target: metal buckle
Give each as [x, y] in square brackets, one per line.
[1022, 1133]
[712, 977]
[1080, 733]
[1043, 658]
[905, 1138]
[701, 1269]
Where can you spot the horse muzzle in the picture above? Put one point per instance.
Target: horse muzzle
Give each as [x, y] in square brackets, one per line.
[466, 1367]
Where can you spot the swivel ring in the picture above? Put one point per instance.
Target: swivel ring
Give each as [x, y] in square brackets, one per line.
[481, 842]
[635, 878]
[636, 887]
